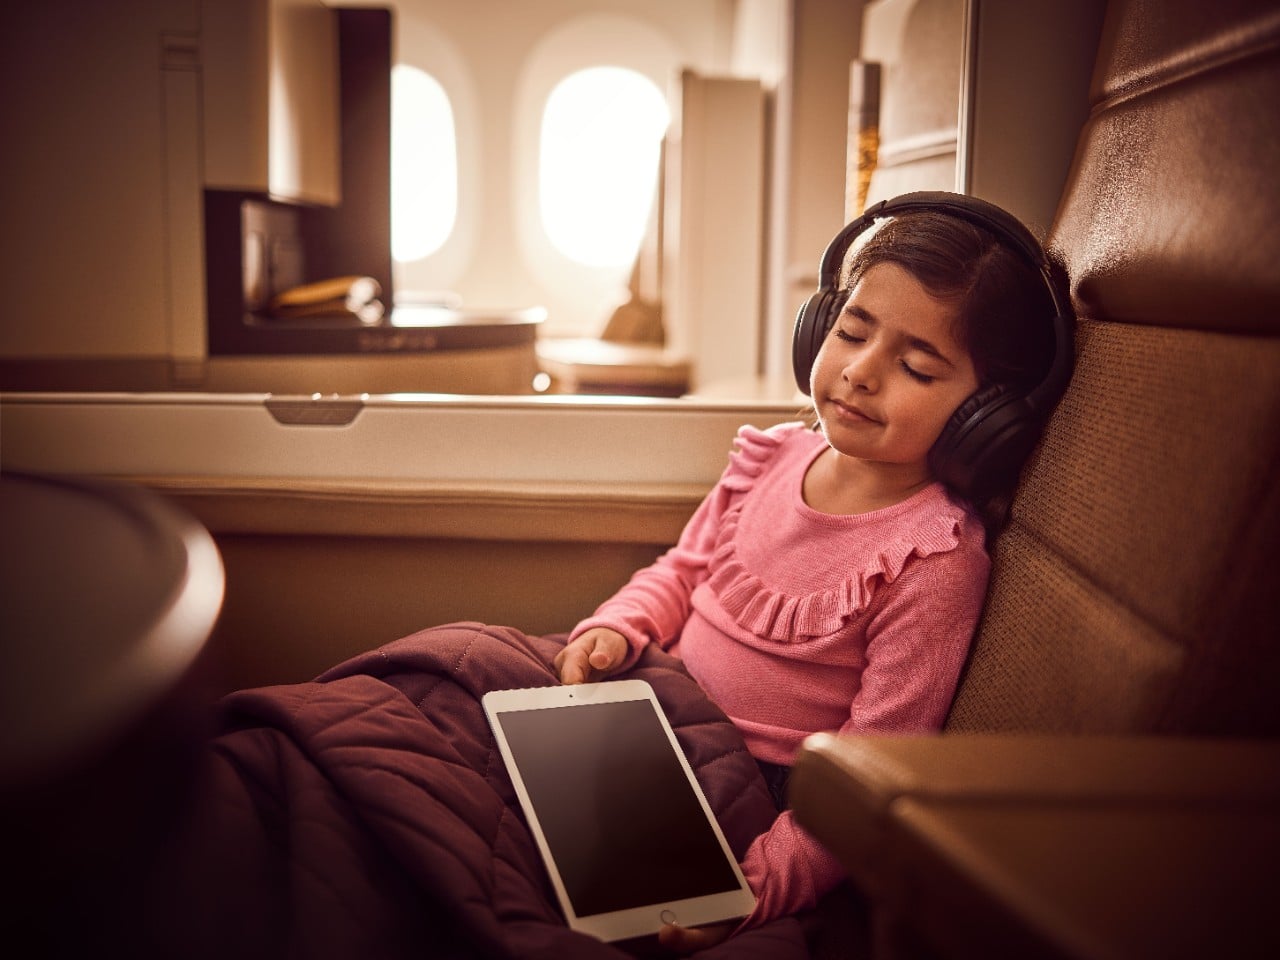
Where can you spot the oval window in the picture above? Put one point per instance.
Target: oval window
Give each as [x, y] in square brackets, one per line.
[599, 152]
[424, 165]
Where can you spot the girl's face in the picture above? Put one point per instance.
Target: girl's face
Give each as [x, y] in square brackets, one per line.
[890, 373]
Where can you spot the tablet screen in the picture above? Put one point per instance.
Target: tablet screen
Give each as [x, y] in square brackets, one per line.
[624, 826]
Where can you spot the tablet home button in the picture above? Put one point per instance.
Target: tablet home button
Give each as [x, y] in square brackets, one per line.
[666, 916]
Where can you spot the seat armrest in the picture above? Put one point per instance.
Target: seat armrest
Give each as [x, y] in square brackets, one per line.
[999, 845]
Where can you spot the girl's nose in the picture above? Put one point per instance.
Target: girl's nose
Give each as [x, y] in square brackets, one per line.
[862, 372]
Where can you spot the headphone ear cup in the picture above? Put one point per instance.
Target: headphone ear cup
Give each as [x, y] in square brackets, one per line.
[985, 442]
[813, 322]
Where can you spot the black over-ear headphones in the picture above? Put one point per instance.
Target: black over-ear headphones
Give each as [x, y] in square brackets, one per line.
[993, 431]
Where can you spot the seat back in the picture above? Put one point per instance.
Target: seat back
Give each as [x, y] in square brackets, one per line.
[1135, 589]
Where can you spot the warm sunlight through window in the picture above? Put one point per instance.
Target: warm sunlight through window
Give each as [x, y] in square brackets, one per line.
[601, 135]
[424, 165]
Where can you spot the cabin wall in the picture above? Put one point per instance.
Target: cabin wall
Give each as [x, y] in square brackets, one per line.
[83, 191]
[317, 572]
[1028, 70]
[296, 605]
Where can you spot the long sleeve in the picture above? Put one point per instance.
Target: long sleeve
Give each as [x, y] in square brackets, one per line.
[917, 642]
[654, 605]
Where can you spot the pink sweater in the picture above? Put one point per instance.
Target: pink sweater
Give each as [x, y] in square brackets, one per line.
[796, 621]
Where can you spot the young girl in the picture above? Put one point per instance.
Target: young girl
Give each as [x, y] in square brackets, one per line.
[829, 581]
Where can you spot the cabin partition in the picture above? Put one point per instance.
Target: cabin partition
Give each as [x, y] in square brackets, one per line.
[346, 521]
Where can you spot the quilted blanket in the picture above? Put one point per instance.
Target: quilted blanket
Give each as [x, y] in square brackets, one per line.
[368, 814]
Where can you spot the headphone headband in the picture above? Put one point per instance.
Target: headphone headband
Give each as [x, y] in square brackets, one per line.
[976, 211]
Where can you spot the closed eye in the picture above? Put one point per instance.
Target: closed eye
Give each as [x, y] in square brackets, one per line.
[915, 374]
[849, 337]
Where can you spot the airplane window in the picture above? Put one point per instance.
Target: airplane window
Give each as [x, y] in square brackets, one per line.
[599, 148]
[424, 165]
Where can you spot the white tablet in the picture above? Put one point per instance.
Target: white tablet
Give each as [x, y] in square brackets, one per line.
[622, 825]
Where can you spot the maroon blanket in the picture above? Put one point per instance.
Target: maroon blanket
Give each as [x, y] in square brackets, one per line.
[368, 814]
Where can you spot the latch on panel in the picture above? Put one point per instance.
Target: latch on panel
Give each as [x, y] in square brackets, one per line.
[317, 410]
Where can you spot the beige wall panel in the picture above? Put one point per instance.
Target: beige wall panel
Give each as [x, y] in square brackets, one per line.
[296, 606]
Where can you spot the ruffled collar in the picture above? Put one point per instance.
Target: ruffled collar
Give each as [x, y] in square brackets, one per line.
[926, 523]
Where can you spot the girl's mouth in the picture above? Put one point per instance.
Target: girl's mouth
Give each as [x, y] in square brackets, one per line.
[851, 413]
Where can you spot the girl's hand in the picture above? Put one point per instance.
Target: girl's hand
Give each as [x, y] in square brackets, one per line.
[594, 655]
[687, 940]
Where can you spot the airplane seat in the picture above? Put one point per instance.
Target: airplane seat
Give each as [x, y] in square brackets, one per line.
[1108, 780]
